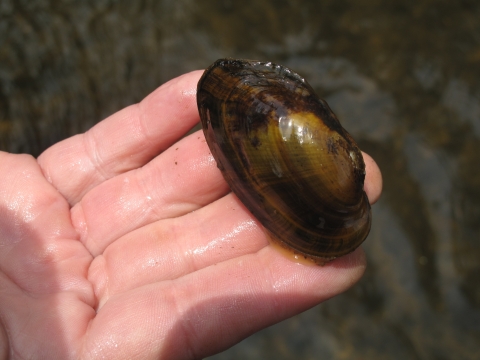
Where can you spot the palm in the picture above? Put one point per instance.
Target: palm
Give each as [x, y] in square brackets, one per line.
[107, 250]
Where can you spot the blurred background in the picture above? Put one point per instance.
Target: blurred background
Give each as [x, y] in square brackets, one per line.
[402, 76]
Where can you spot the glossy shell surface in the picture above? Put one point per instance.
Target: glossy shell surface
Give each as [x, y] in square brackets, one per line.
[285, 155]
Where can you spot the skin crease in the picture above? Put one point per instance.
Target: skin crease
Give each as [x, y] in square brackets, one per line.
[124, 243]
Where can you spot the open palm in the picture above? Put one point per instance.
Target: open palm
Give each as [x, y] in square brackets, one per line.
[124, 242]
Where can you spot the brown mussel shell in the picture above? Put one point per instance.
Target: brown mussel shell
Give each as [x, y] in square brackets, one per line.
[286, 157]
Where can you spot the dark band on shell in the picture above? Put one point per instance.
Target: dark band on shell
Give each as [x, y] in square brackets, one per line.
[285, 155]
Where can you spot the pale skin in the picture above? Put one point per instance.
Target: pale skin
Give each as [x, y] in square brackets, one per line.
[125, 243]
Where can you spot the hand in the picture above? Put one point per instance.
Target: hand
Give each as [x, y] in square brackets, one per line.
[110, 251]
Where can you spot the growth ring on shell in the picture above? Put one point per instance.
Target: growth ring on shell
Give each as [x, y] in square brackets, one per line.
[285, 155]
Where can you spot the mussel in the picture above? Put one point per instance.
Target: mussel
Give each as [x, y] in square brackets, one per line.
[285, 155]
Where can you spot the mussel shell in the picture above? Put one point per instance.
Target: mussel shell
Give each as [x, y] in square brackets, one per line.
[285, 155]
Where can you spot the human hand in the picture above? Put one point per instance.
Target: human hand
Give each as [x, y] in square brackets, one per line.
[109, 250]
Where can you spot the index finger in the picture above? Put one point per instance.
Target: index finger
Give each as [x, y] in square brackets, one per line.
[124, 141]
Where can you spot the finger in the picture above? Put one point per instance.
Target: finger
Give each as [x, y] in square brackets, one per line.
[124, 141]
[210, 310]
[168, 249]
[182, 179]
[171, 248]
[373, 179]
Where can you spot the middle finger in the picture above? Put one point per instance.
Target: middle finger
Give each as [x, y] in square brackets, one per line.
[182, 179]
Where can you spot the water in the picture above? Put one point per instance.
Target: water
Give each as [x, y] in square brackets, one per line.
[403, 79]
